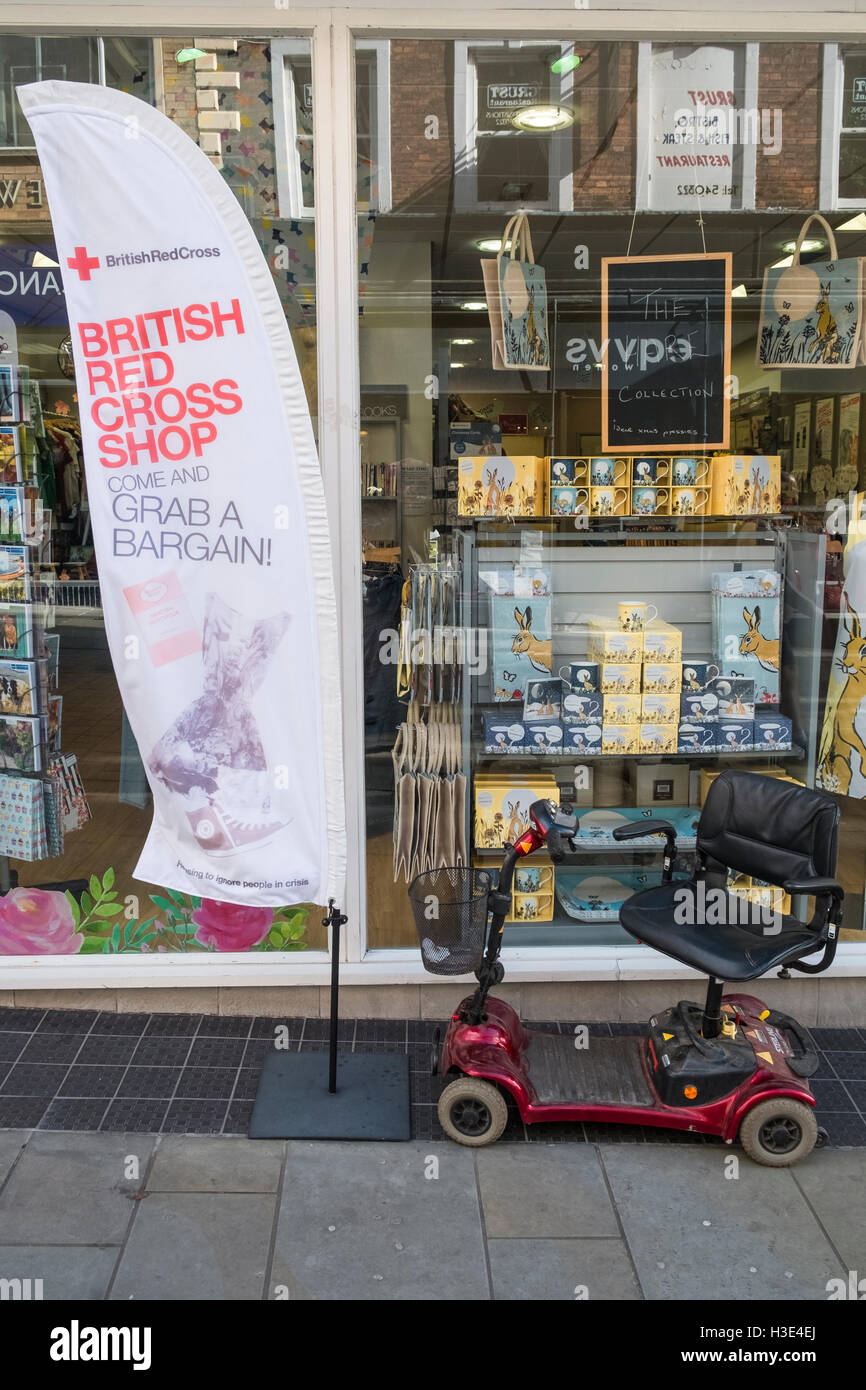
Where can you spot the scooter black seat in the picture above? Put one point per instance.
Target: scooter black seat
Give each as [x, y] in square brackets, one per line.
[673, 918]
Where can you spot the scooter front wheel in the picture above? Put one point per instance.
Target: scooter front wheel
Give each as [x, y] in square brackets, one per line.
[778, 1133]
[472, 1112]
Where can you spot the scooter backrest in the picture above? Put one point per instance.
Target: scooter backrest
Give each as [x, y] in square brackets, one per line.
[772, 829]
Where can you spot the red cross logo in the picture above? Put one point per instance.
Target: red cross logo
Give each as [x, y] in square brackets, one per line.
[82, 263]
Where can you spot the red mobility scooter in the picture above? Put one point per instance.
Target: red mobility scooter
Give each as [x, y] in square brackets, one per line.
[731, 1067]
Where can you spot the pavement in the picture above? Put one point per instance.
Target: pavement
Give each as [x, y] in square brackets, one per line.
[115, 1216]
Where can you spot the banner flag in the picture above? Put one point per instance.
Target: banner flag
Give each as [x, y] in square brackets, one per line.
[206, 501]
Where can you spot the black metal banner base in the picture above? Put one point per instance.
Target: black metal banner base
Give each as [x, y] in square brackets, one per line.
[371, 1100]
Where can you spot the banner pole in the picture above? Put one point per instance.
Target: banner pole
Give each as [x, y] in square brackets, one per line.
[335, 920]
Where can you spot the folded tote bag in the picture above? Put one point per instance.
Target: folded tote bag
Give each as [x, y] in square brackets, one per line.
[516, 292]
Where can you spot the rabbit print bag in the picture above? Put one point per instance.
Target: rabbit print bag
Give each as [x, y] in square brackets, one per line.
[812, 315]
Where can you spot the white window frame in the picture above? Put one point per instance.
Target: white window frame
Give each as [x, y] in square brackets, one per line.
[560, 178]
[832, 130]
[643, 201]
[290, 194]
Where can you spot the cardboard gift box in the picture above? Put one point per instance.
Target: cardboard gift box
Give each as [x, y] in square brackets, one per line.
[662, 677]
[583, 739]
[662, 642]
[773, 733]
[622, 709]
[659, 784]
[620, 678]
[542, 735]
[735, 695]
[620, 738]
[736, 735]
[579, 708]
[697, 736]
[660, 707]
[606, 641]
[503, 735]
[746, 485]
[498, 485]
[658, 738]
[502, 801]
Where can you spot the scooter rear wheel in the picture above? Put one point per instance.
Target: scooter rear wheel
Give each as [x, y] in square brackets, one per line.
[472, 1112]
[780, 1132]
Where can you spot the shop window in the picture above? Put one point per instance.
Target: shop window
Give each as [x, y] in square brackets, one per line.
[513, 124]
[496, 560]
[293, 113]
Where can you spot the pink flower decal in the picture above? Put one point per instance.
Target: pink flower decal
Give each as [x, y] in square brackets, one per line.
[230, 927]
[34, 922]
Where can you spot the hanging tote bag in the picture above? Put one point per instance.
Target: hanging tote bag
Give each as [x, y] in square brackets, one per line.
[812, 315]
[516, 292]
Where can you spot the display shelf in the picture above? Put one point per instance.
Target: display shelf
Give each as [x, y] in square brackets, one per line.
[575, 756]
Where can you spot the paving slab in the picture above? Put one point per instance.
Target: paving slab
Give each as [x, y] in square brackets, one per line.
[694, 1233]
[834, 1183]
[379, 1221]
[197, 1245]
[73, 1189]
[11, 1142]
[193, 1163]
[548, 1270]
[553, 1191]
[68, 1272]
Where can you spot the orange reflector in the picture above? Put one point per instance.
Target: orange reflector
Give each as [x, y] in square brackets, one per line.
[690, 1092]
[526, 844]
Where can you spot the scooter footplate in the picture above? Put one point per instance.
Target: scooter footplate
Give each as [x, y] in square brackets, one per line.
[607, 1072]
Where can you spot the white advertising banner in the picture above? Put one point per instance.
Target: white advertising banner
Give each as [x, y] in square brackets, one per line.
[698, 124]
[207, 504]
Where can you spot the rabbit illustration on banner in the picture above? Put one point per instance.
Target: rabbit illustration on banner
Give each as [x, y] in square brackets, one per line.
[212, 756]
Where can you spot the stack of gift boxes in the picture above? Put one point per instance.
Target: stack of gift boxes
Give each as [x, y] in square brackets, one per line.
[634, 693]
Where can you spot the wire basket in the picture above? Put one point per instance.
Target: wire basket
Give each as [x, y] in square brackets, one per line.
[450, 909]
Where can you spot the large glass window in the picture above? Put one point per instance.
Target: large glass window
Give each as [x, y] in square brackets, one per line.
[526, 505]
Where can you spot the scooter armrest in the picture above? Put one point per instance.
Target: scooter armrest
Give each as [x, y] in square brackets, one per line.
[646, 827]
[815, 887]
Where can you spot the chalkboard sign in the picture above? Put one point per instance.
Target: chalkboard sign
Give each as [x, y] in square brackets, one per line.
[666, 323]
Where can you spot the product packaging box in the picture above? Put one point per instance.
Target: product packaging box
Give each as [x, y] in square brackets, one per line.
[735, 695]
[502, 802]
[622, 709]
[659, 784]
[772, 733]
[697, 736]
[581, 709]
[662, 677]
[661, 708]
[500, 486]
[606, 641]
[584, 739]
[699, 708]
[658, 738]
[522, 647]
[746, 642]
[736, 735]
[746, 485]
[542, 735]
[620, 678]
[543, 699]
[662, 642]
[746, 583]
[503, 735]
[620, 738]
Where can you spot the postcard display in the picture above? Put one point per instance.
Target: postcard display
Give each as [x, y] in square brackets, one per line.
[41, 793]
[612, 711]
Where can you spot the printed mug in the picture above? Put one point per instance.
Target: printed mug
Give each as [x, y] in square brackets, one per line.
[650, 501]
[689, 501]
[609, 501]
[569, 501]
[568, 472]
[581, 676]
[688, 471]
[647, 472]
[633, 617]
[697, 675]
[608, 472]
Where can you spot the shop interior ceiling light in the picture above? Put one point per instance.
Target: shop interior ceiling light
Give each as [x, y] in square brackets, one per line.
[186, 55]
[493, 244]
[810, 244]
[461, 342]
[474, 305]
[542, 118]
[567, 63]
[854, 224]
